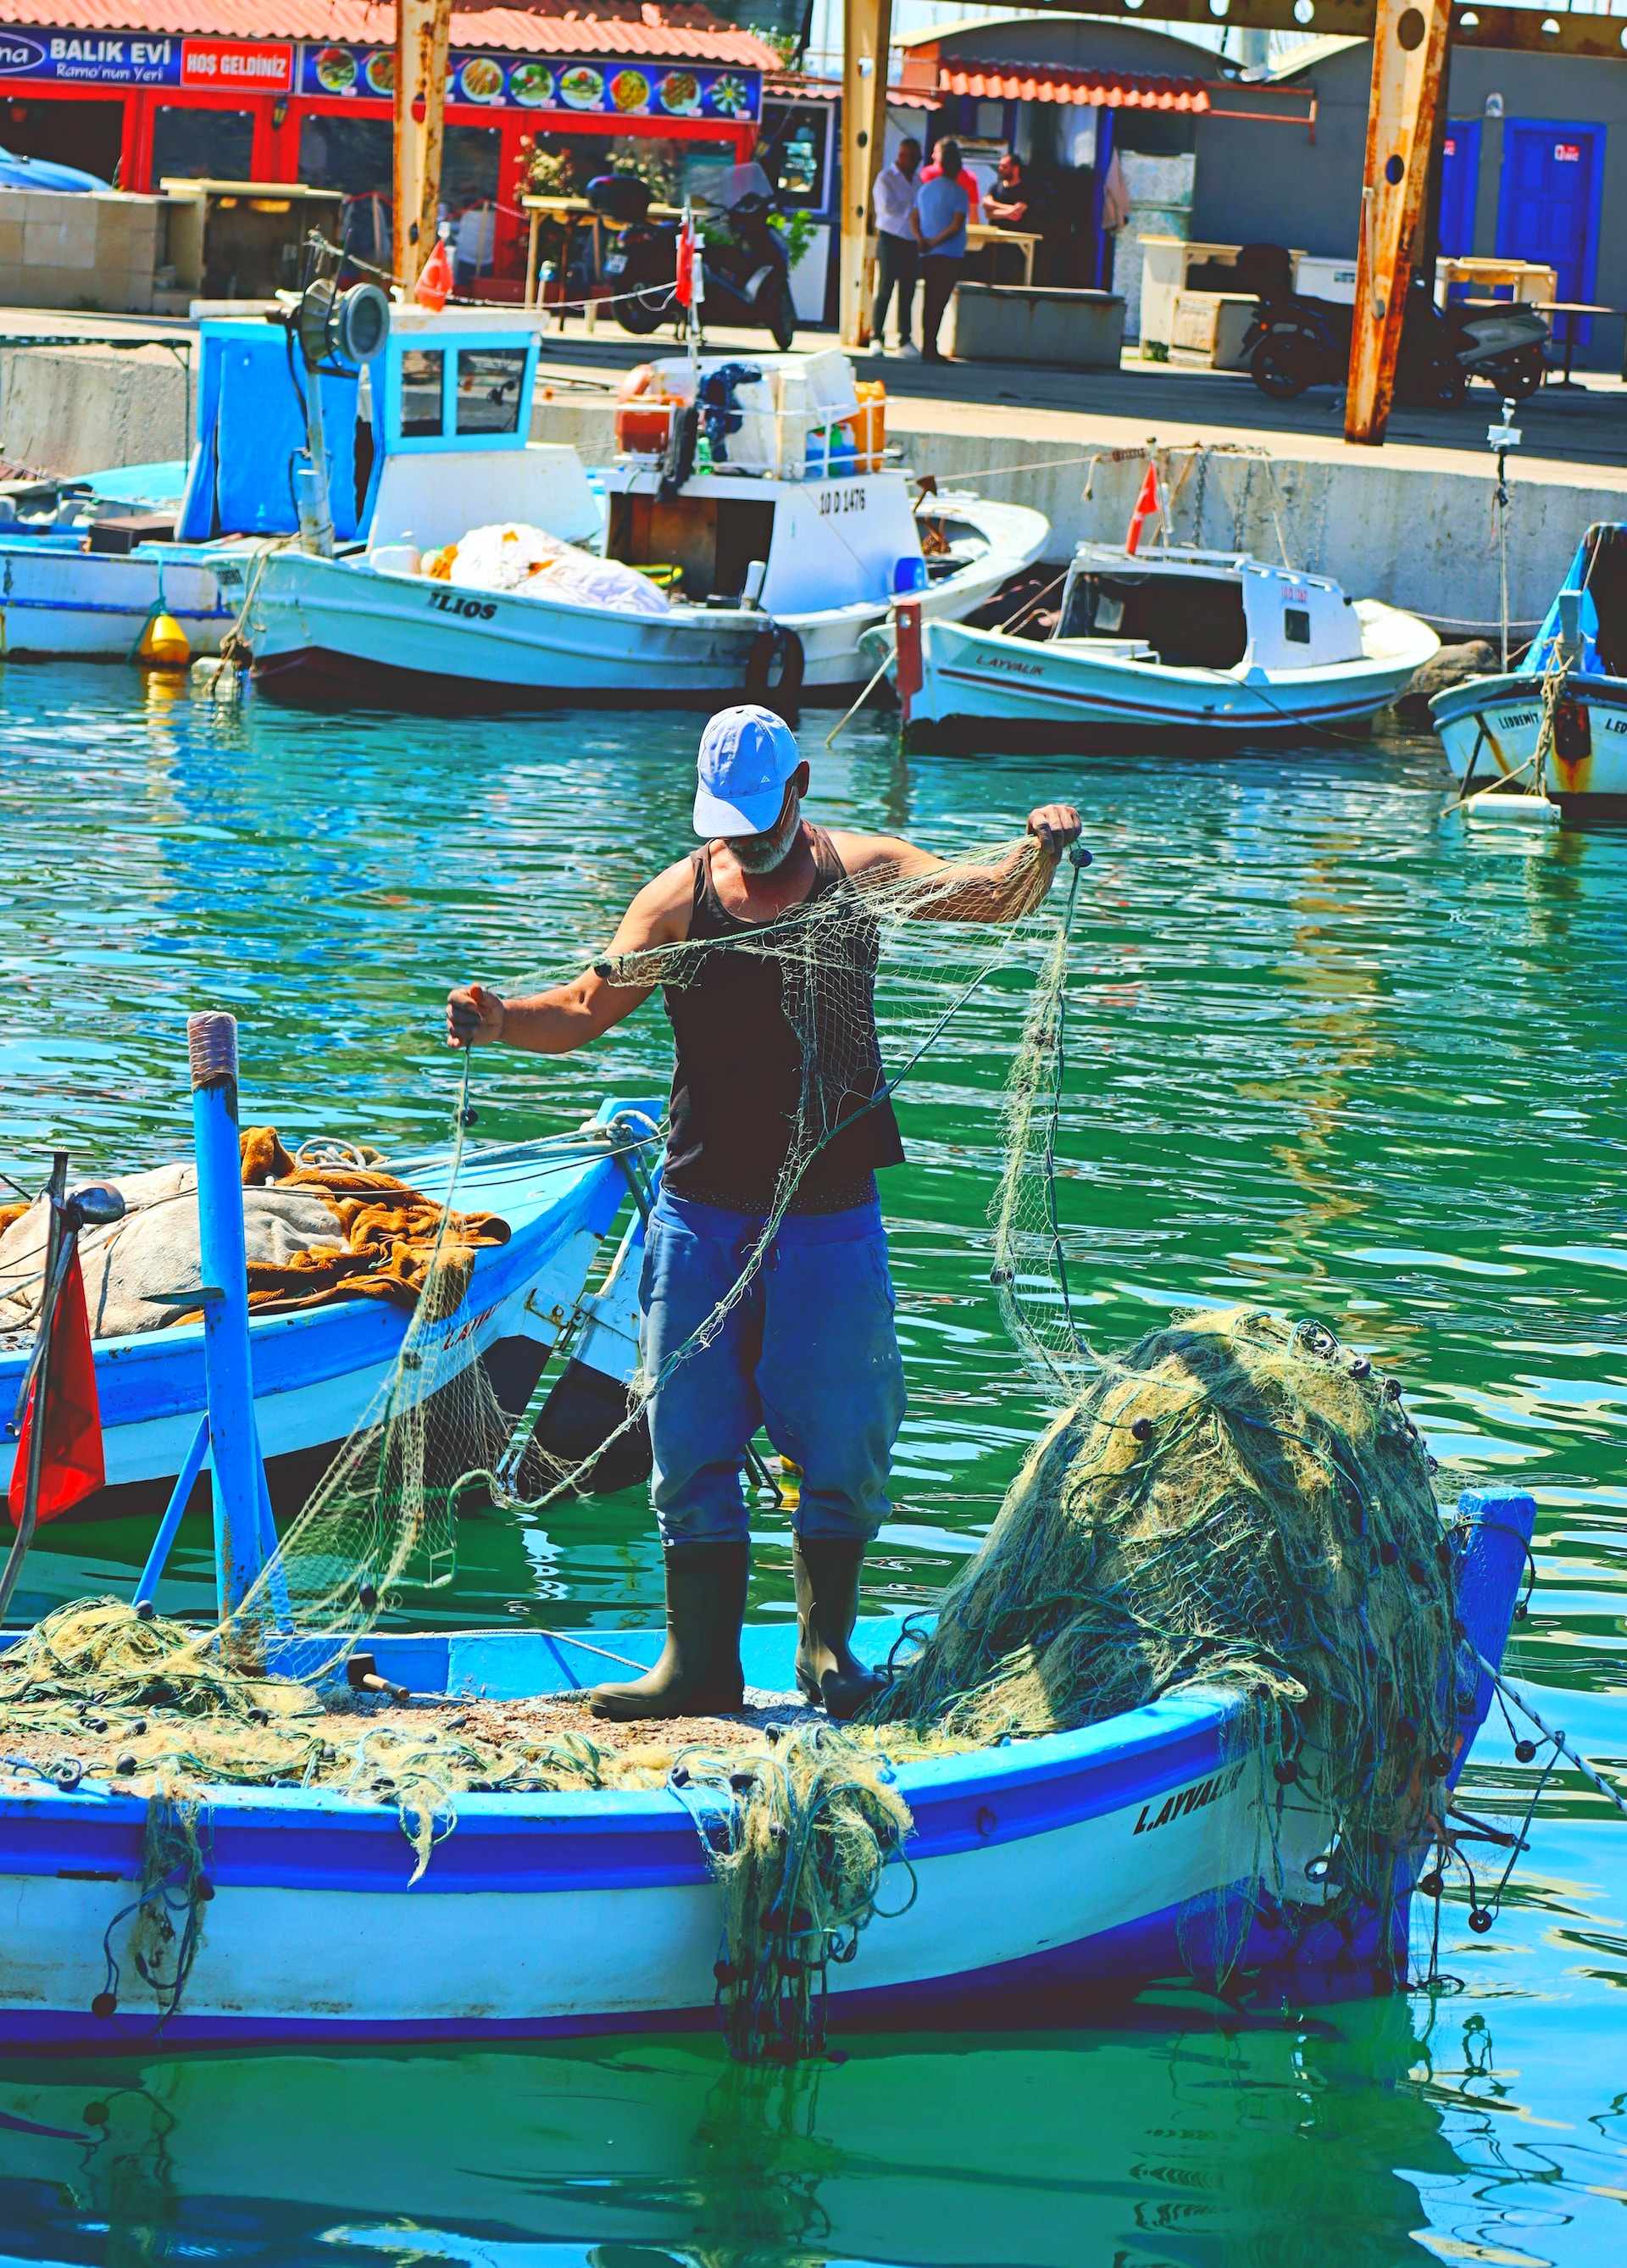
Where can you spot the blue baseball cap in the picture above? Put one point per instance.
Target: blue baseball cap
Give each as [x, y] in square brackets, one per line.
[746, 756]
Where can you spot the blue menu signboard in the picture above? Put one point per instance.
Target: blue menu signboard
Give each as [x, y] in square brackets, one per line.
[646, 89]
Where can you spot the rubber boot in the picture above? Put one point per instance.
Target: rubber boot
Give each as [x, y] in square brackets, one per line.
[828, 1669]
[699, 1671]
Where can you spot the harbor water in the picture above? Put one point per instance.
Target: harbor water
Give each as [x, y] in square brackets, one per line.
[1330, 1053]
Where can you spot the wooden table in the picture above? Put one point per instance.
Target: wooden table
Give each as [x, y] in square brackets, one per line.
[979, 234]
[573, 211]
[1575, 309]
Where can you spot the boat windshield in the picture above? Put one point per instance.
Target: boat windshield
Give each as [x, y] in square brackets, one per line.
[1192, 621]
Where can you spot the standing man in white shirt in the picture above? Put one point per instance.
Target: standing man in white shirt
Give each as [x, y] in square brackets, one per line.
[897, 252]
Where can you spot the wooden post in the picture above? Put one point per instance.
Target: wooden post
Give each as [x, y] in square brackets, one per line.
[867, 31]
[423, 31]
[1409, 55]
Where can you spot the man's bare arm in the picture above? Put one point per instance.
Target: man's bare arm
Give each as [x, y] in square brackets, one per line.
[568, 1016]
[979, 894]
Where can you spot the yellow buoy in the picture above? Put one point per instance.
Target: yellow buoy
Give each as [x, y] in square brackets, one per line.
[164, 643]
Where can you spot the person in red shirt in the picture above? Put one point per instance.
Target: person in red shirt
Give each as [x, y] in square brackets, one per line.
[968, 182]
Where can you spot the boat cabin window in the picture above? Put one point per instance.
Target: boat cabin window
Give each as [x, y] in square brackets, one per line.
[1191, 621]
[1297, 625]
[490, 386]
[712, 539]
[423, 380]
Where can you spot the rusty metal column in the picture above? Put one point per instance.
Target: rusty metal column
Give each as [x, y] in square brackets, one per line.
[422, 32]
[1409, 56]
[867, 31]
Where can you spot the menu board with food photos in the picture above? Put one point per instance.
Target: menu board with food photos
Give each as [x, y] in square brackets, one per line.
[646, 89]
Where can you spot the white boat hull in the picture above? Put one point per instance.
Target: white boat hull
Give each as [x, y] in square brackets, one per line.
[332, 630]
[93, 605]
[1490, 728]
[986, 688]
[836, 668]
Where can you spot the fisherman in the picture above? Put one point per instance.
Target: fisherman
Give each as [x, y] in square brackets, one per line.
[809, 1350]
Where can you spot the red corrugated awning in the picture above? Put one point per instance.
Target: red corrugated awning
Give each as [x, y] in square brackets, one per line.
[1051, 82]
[677, 30]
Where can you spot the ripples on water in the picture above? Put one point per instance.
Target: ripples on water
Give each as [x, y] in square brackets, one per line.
[1329, 1054]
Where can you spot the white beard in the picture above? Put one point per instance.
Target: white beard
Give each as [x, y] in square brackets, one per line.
[760, 854]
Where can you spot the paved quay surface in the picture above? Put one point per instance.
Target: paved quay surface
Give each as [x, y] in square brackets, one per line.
[1565, 433]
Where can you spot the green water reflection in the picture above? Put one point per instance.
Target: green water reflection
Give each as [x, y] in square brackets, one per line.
[1330, 1055]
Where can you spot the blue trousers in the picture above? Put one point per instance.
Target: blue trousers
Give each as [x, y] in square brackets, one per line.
[809, 1352]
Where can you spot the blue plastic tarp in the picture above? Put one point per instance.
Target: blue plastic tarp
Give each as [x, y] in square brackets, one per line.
[252, 432]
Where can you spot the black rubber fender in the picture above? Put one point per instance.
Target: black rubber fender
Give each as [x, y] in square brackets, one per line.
[785, 697]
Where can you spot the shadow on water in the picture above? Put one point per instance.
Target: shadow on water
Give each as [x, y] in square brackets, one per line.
[1172, 2138]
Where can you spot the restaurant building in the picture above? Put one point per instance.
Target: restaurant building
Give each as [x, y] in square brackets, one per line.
[274, 90]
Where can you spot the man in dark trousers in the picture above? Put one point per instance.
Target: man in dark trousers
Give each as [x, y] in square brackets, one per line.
[897, 252]
[809, 1350]
[939, 218]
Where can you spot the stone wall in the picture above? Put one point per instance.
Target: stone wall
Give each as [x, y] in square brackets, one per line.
[96, 251]
[84, 410]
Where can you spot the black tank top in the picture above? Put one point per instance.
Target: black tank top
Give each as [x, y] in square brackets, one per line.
[738, 1100]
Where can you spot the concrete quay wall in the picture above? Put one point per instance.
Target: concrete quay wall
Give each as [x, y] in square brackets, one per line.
[1423, 539]
[1420, 536]
[84, 409]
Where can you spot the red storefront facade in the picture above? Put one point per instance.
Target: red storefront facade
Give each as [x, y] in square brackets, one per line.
[273, 91]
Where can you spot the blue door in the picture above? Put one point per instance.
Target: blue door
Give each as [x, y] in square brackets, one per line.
[1552, 176]
[1460, 179]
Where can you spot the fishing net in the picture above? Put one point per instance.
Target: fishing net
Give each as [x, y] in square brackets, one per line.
[1235, 1503]
[915, 951]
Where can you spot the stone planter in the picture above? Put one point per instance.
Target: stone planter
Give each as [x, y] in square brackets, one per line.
[1017, 323]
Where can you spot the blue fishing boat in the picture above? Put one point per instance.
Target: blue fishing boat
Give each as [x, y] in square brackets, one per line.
[1074, 1861]
[316, 1370]
[1552, 731]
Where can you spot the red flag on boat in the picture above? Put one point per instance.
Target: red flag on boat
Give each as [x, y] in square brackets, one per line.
[434, 286]
[1148, 507]
[685, 289]
[71, 1467]
[909, 676]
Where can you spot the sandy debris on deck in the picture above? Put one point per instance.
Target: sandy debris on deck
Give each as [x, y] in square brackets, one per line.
[499, 1732]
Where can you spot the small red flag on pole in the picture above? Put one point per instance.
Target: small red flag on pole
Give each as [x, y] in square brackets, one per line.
[1148, 505]
[71, 1465]
[910, 675]
[684, 289]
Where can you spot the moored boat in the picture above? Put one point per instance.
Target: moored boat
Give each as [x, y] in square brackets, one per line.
[1167, 644]
[1075, 1861]
[756, 576]
[318, 1369]
[1554, 728]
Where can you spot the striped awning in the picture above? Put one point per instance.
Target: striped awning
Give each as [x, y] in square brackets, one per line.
[1052, 82]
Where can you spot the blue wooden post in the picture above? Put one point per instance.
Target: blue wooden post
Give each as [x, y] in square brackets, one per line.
[211, 1041]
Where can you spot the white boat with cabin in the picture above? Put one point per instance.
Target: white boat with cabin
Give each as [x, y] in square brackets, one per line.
[771, 580]
[1175, 641]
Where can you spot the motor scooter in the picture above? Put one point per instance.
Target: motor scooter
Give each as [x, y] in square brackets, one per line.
[743, 256]
[1296, 342]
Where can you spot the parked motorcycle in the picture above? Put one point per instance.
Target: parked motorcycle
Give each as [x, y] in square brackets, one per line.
[747, 269]
[1296, 342]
